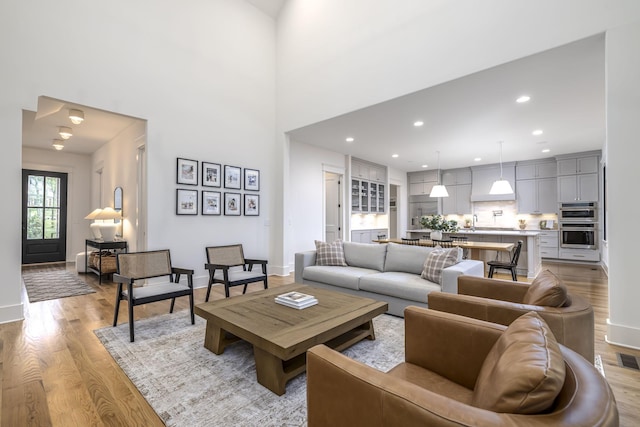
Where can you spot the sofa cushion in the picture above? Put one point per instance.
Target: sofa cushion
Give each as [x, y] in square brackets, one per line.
[438, 260]
[344, 277]
[546, 290]
[524, 370]
[400, 285]
[406, 258]
[365, 255]
[330, 253]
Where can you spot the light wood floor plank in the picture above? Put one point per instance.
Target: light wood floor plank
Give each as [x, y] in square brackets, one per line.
[55, 371]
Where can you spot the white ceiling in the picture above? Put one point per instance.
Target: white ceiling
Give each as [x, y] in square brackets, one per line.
[465, 118]
[40, 128]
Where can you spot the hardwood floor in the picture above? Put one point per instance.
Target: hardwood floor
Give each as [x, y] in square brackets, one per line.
[55, 372]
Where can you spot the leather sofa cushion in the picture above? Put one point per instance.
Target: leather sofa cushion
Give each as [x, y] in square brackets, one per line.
[365, 255]
[524, 370]
[406, 258]
[330, 253]
[400, 285]
[547, 290]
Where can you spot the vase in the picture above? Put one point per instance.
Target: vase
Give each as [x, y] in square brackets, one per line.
[436, 235]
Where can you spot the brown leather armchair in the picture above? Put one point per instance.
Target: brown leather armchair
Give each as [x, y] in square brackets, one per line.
[444, 356]
[501, 301]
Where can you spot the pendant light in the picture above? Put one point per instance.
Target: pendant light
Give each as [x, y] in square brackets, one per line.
[439, 190]
[501, 186]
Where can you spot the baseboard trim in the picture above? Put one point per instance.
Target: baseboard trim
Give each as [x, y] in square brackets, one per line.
[11, 313]
[622, 335]
[278, 270]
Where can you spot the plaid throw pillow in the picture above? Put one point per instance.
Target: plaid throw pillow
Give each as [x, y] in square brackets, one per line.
[437, 260]
[330, 253]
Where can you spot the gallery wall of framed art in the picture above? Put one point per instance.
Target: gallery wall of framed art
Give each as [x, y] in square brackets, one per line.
[216, 175]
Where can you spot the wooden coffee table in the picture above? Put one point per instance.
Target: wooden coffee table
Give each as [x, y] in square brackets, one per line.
[281, 335]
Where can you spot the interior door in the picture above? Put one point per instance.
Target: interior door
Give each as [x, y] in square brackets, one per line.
[44, 216]
[333, 207]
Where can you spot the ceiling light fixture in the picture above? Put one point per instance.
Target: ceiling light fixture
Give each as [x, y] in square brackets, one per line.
[477, 159]
[523, 98]
[425, 166]
[418, 123]
[537, 132]
[65, 132]
[439, 190]
[58, 144]
[501, 186]
[394, 156]
[349, 139]
[546, 150]
[76, 116]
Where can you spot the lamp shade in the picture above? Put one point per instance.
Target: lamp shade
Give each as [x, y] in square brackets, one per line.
[93, 214]
[501, 186]
[108, 213]
[439, 191]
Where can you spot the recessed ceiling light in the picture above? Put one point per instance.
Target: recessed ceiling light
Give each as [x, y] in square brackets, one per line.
[537, 132]
[477, 159]
[523, 98]
[418, 123]
[425, 166]
[65, 132]
[349, 139]
[546, 150]
[394, 155]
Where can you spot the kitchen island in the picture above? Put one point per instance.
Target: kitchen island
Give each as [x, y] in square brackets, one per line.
[530, 262]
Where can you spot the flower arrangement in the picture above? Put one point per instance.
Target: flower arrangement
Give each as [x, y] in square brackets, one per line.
[439, 223]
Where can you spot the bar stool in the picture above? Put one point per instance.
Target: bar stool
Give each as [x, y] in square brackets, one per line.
[410, 241]
[511, 265]
[442, 243]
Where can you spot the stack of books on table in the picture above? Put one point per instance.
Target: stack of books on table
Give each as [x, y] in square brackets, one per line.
[296, 300]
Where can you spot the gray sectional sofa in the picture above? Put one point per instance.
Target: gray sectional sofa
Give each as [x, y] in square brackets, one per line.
[386, 272]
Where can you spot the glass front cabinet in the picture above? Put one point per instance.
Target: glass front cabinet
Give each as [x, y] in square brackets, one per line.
[367, 197]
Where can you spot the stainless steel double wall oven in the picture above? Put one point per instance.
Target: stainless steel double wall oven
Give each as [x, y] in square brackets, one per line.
[579, 225]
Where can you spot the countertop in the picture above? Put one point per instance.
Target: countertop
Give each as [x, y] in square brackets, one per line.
[501, 232]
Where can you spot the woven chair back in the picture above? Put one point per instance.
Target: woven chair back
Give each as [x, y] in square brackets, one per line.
[230, 255]
[142, 265]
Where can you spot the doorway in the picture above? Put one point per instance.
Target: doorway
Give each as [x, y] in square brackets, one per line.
[44, 216]
[333, 206]
[393, 211]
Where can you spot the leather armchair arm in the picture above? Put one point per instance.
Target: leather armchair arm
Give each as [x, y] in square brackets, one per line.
[451, 346]
[492, 288]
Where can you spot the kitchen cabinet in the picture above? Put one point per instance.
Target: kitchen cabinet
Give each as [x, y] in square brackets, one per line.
[459, 200]
[536, 169]
[364, 170]
[421, 183]
[376, 197]
[359, 196]
[537, 196]
[367, 236]
[583, 187]
[456, 176]
[578, 165]
[549, 243]
[368, 184]
[483, 178]
[579, 254]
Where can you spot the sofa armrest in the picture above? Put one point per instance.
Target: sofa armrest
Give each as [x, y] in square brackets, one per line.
[452, 346]
[466, 267]
[303, 260]
[345, 392]
[504, 290]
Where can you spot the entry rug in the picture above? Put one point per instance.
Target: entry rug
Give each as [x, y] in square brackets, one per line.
[49, 283]
[187, 385]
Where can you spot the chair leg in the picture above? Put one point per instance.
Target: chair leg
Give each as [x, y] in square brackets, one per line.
[490, 271]
[193, 319]
[244, 290]
[130, 321]
[265, 284]
[117, 307]
[513, 274]
[208, 292]
[173, 302]
[226, 290]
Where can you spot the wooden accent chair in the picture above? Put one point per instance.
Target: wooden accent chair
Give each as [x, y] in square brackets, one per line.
[221, 259]
[134, 266]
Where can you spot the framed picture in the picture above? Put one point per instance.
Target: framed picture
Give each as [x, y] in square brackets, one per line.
[210, 203]
[251, 205]
[186, 202]
[211, 174]
[232, 177]
[232, 204]
[251, 179]
[187, 171]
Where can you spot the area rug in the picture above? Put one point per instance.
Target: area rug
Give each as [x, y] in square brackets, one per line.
[187, 385]
[52, 283]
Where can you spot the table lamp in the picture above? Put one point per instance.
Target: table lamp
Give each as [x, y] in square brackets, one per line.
[108, 228]
[95, 226]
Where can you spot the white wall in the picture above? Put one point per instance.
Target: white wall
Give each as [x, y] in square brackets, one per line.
[201, 72]
[78, 170]
[623, 128]
[306, 183]
[118, 161]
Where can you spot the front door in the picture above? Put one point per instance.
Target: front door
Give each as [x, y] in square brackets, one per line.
[44, 216]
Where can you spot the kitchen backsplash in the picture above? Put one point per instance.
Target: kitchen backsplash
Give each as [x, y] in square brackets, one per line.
[503, 215]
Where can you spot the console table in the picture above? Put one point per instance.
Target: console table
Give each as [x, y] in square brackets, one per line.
[120, 245]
